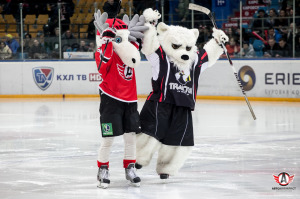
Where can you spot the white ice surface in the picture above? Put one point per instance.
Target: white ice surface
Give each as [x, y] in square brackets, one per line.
[48, 150]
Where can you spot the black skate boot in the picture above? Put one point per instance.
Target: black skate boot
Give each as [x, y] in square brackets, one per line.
[103, 176]
[130, 173]
[164, 177]
[138, 166]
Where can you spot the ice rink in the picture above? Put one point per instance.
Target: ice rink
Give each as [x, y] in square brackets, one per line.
[48, 150]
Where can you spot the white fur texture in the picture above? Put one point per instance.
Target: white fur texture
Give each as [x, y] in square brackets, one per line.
[214, 51]
[129, 145]
[171, 158]
[146, 146]
[98, 41]
[168, 35]
[150, 41]
[104, 149]
[126, 50]
[220, 36]
[151, 16]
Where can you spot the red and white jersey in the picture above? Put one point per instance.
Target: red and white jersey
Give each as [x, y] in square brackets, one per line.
[118, 79]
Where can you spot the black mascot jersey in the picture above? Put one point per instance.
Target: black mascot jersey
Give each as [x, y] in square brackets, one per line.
[170, 85]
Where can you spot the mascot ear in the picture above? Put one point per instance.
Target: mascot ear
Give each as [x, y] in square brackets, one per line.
[162, 27]
[196, 32]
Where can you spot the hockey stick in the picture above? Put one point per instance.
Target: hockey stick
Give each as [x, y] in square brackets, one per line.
[112, 26]
[193, 6]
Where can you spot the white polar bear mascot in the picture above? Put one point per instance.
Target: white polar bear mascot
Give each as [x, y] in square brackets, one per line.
[166, 118]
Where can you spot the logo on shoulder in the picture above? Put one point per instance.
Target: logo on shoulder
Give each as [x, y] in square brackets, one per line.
[43, 76]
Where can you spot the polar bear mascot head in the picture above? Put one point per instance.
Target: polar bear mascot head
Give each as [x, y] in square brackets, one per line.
[179, 43]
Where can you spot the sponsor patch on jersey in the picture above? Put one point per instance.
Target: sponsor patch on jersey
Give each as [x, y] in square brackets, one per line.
[43, 76]
[107, 129]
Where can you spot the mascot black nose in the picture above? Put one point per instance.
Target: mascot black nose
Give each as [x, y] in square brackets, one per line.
[185, 57]
[133, 60]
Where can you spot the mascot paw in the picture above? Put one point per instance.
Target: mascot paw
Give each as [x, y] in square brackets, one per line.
[151, 16]
[220, 36]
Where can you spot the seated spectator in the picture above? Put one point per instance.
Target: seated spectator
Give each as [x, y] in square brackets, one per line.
[260, 23]
[37, 51]
[27, 42]
[233, 48]
[248, 50]
[288, 35]
[273, 33]
[272, 17]
[82, 47]
[92, 47]
[204, 35]
[297, 46]
[12, 43]
[52, 43]
[284, 49]
[67, 40]
[282, 19]
[183, 12]
[5, 52]
[271, 49]
[231, 32]
[111, 7]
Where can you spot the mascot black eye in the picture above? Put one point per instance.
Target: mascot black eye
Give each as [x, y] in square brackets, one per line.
[188, 48]
[175, 46]
[118, 40]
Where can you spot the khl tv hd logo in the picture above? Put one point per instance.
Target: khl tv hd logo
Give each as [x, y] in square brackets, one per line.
[43, 76]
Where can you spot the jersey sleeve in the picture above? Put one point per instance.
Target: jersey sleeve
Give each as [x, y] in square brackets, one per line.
[104, 59]
[156, 59]
[202, 59]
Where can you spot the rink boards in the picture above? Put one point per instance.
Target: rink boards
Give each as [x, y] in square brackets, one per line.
[260, 78]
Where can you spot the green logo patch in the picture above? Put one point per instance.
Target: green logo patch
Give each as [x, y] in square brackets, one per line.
[107, 129]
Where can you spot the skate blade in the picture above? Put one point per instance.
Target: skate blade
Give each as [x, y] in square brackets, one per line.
[164, 181]
[138, 184]
[102, 185]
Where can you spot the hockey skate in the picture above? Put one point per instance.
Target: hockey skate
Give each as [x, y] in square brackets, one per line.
[164, 177]
[138, 166]
[130, 173]
[102, 177]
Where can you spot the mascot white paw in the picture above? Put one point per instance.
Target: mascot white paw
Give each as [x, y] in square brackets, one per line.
[151, 16]
[213, 47]
[220, 36]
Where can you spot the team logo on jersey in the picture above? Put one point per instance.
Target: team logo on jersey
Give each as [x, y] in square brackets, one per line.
[283, 178]
[182, 78]
[247, 77]
[125, 71]
[43, 76]
[107, 129]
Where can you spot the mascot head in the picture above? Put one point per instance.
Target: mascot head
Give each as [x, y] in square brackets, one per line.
[126, 50]
[179, 43]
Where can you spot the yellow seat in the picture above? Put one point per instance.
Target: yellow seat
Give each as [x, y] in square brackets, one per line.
[42, 19]
[9, 19]
[81, 3]
[2, 24]
[29, 21]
